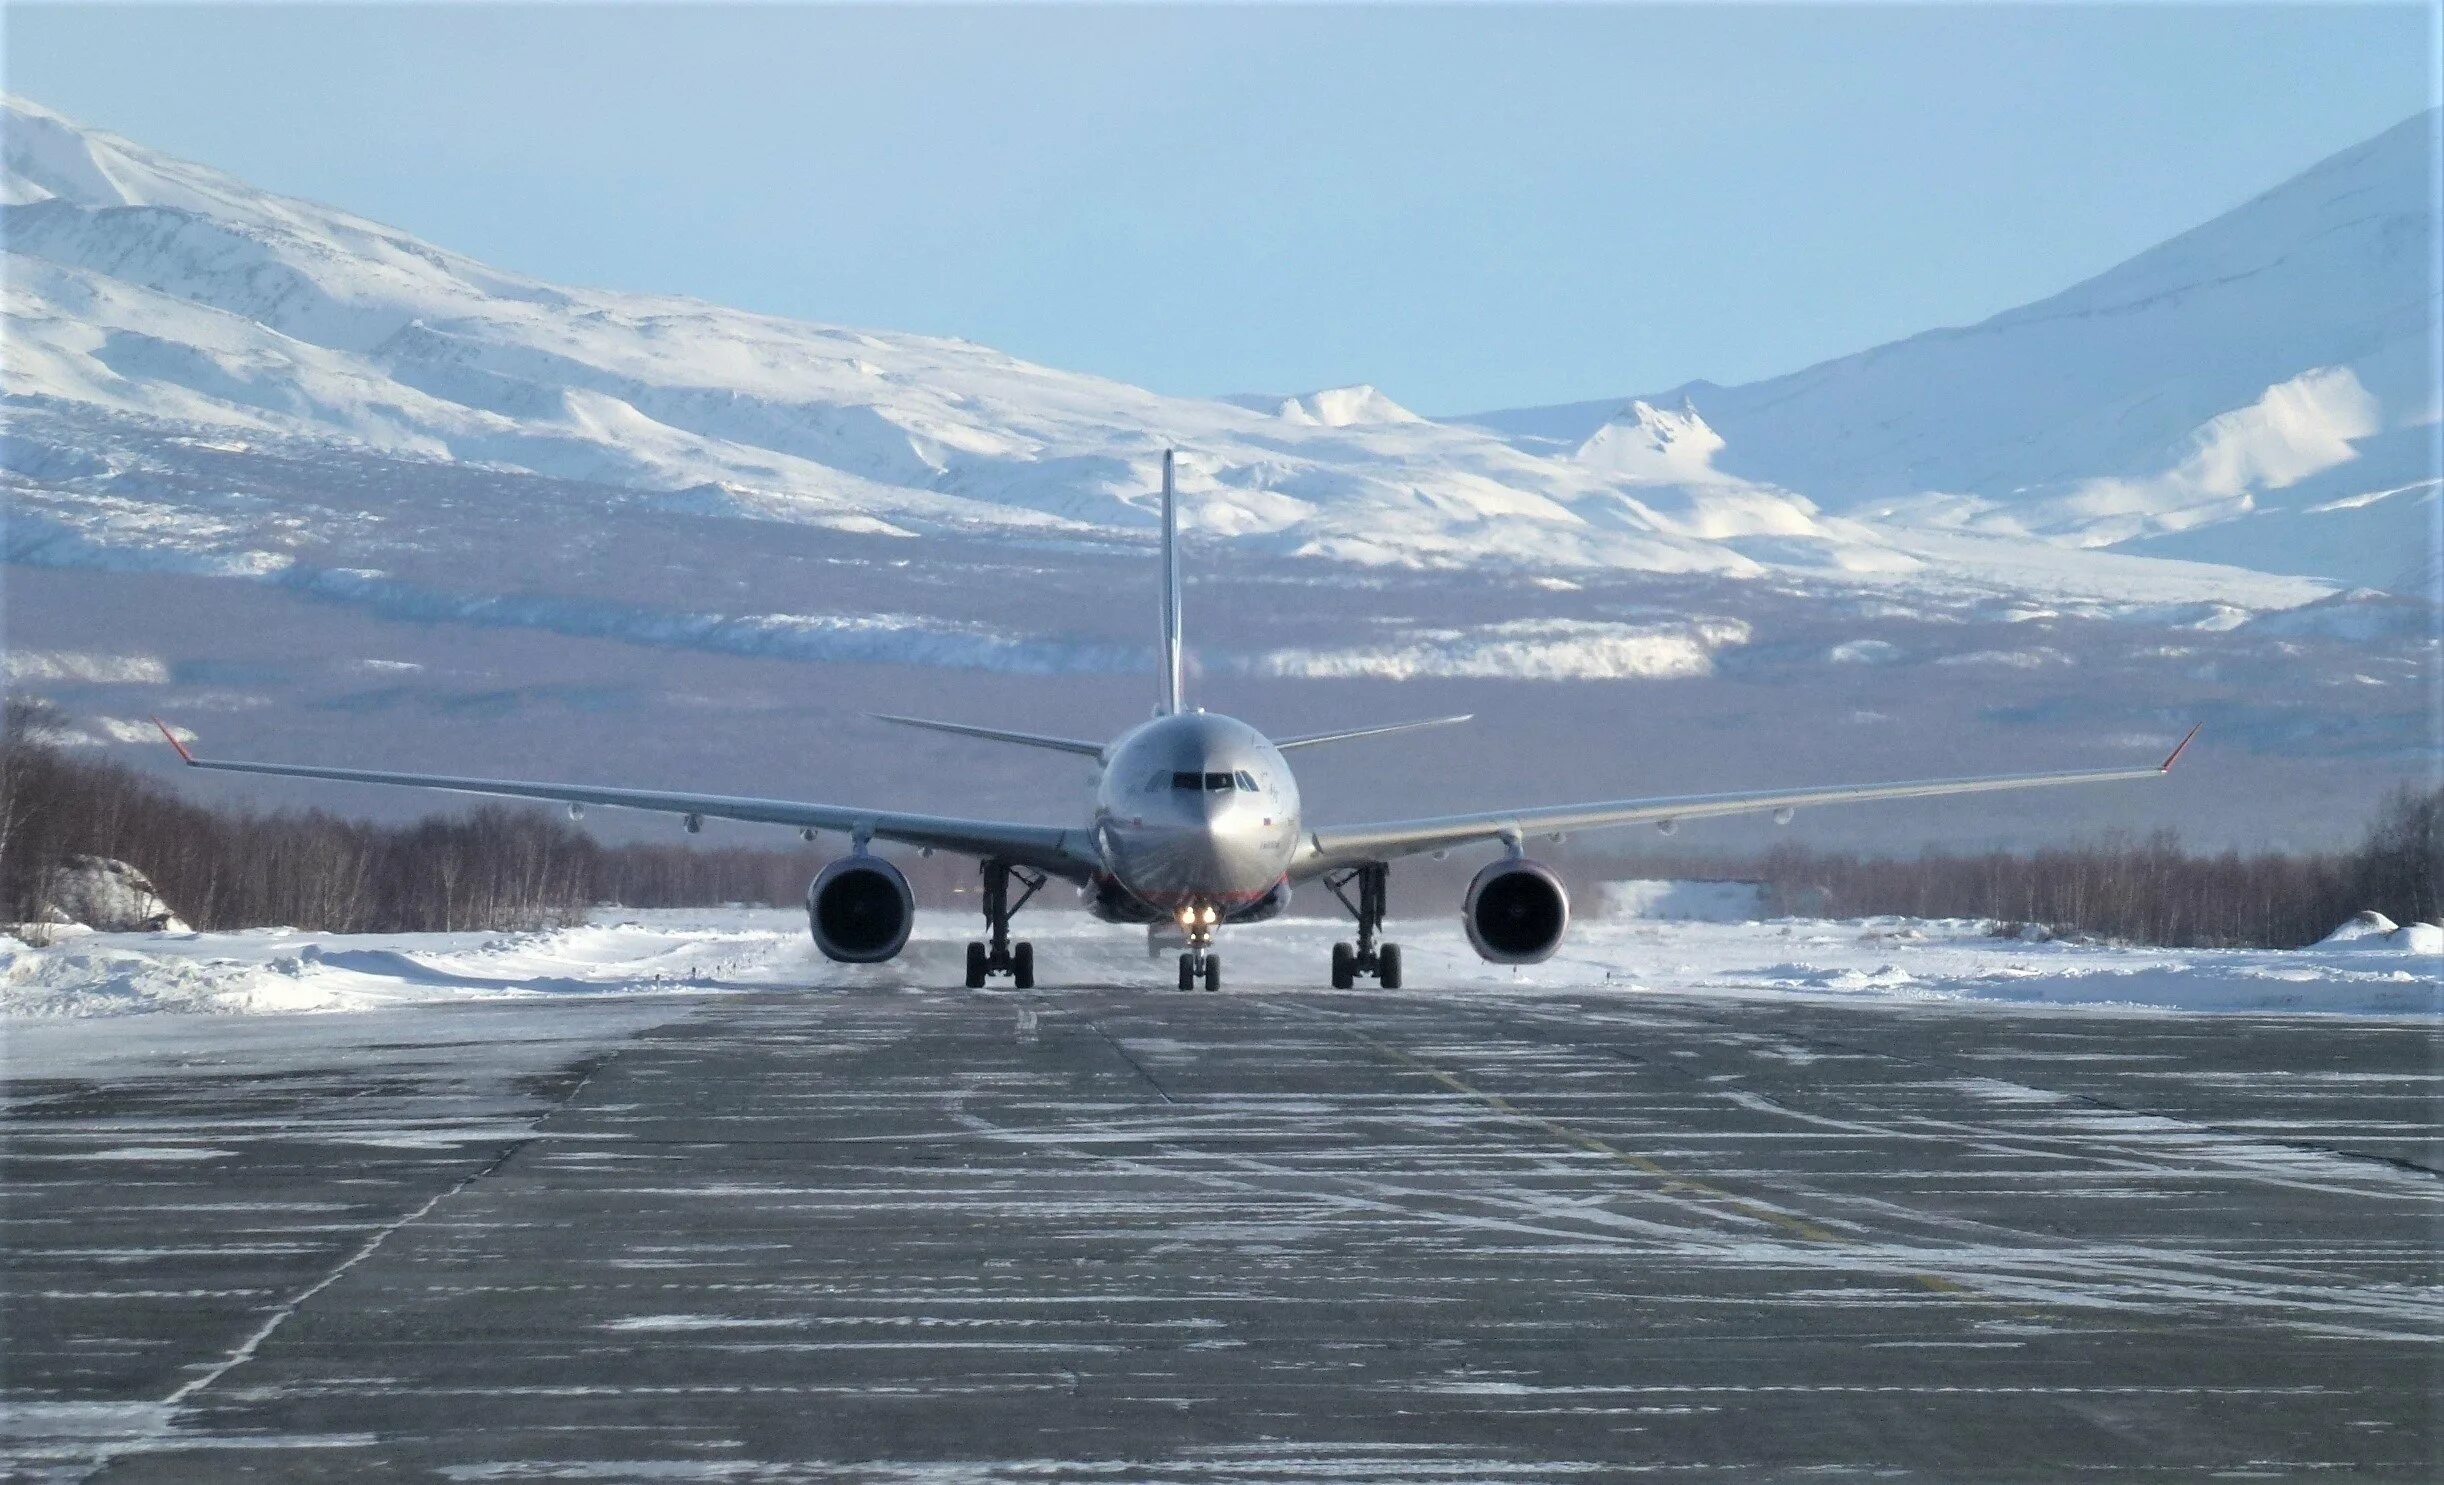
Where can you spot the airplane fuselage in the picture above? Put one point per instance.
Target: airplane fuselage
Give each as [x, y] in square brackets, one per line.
[1194, 813]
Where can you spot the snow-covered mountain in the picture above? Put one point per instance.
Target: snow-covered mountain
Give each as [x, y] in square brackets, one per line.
[159, 290]
[2260, 390]
[315, 488]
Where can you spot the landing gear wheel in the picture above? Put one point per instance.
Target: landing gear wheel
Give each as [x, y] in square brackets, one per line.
[1001, 957]
[1366, 956]
[1213, 972]
[1188, 972]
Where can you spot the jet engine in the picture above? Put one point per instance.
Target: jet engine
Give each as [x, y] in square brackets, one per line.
[1515, 912]
[861, 910]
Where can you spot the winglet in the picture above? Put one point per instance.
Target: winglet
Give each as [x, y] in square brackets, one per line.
[2183, 747]
[183, 755]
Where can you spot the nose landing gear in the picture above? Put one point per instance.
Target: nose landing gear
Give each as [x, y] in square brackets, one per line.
[1366, 957]
[1200, 964]
[1002, 956]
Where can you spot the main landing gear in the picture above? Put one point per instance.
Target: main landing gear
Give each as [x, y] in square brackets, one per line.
[1366, 957]
[1002, 957]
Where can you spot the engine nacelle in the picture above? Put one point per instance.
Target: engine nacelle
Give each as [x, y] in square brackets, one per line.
[1515, 912]
[861, 910]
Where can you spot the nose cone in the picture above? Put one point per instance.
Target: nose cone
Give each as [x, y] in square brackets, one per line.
[1208, 860]
[1185, 859]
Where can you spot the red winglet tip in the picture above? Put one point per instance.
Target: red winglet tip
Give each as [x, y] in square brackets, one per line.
[172, 737]
[2180, 748]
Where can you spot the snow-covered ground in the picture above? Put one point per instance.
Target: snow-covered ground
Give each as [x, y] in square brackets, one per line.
[627, 953]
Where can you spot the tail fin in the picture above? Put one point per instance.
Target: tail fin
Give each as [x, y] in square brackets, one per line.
[1172, 697]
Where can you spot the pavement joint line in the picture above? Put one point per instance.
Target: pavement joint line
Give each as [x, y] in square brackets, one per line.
[1673, 1181]
[1123, 1054]
[280, 1315]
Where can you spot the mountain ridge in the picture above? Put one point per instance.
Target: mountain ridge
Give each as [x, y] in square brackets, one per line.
[2082, 417]
[147, 287]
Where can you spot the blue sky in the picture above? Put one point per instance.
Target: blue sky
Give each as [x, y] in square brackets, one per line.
[1470, 206]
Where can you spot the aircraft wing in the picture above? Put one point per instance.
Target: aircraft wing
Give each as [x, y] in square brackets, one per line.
[1064, 853]
[1328, 849]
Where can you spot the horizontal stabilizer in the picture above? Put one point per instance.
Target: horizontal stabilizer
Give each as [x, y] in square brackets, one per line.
[998, 734]
[1312, 738]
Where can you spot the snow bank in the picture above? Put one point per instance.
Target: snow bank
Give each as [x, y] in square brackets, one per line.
[1901, 961]
[2372, 930]
[283, 970]
[109, 895]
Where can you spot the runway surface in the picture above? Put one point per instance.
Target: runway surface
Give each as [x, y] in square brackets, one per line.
[1128, 1235]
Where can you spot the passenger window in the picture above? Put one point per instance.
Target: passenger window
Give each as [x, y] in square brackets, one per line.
[1247, 781]
[1219, 783]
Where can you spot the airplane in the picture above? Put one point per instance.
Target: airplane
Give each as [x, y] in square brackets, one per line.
[1197, 826]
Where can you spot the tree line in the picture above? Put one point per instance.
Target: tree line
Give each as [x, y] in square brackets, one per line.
[487, 869]
[2135, 889]
[498, 868]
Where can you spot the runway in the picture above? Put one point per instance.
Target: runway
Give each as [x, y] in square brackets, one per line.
[1107, 1235]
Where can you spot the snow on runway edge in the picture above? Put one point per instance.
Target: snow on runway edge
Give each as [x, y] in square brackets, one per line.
[627, 952]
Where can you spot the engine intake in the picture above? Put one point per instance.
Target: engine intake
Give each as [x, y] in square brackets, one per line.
[861, 910]
[1515, 912]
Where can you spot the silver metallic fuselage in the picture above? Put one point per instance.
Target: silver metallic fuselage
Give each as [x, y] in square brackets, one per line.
[1170, 849]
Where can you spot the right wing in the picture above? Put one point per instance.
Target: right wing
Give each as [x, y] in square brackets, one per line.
[1331, 849]
[1063, 853]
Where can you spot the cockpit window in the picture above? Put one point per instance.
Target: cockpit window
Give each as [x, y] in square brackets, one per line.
[1219, 783]
[1247, 781]
[1189, 781]
[1159, 782]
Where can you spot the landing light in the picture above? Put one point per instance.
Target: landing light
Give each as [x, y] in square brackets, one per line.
[1211, 916]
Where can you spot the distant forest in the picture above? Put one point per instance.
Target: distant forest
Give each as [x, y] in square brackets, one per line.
[509, 867]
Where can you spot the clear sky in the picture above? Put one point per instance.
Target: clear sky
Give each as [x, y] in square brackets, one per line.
[1470, 206]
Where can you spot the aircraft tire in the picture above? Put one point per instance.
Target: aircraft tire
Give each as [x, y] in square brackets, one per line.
[1213, 972]
[1344, 966]
[1188, 973]
[1022, 965]
[1387, 966]
[975, 966]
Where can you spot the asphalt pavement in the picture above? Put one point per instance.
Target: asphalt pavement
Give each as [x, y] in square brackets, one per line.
[926, 1235]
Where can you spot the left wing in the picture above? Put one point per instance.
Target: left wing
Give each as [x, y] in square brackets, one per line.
[1330, 849]
[1064, 853]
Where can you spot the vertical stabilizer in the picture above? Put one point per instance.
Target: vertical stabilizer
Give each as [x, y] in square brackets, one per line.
[1171, 592]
